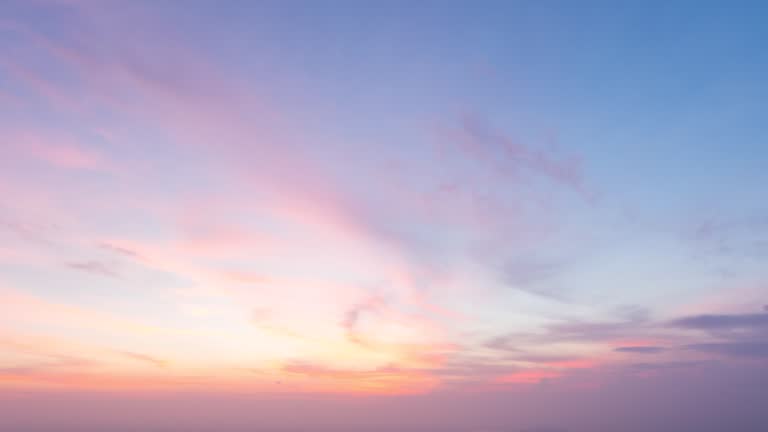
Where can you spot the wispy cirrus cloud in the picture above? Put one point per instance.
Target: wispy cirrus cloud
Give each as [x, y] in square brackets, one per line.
[353, 315]
[94, 267]
[510, 157]
[59, 364]
[66, 155]
[118, 249]
[154, 361]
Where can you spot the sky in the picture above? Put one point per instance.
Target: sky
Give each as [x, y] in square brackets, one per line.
[385, 216]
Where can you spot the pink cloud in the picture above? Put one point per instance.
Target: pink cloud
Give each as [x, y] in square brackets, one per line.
[68, 156]
[54, 149]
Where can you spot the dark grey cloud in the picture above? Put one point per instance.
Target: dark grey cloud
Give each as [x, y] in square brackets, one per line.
[735, 335]
[724, 322]
[742, 328]
[733, 349]
[640, 349]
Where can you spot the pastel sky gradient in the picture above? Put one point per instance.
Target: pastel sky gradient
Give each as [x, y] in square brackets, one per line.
[378, 216]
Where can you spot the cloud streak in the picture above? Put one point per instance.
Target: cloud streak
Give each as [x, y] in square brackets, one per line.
[144, 358]
[95, 267]
[640, 349]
